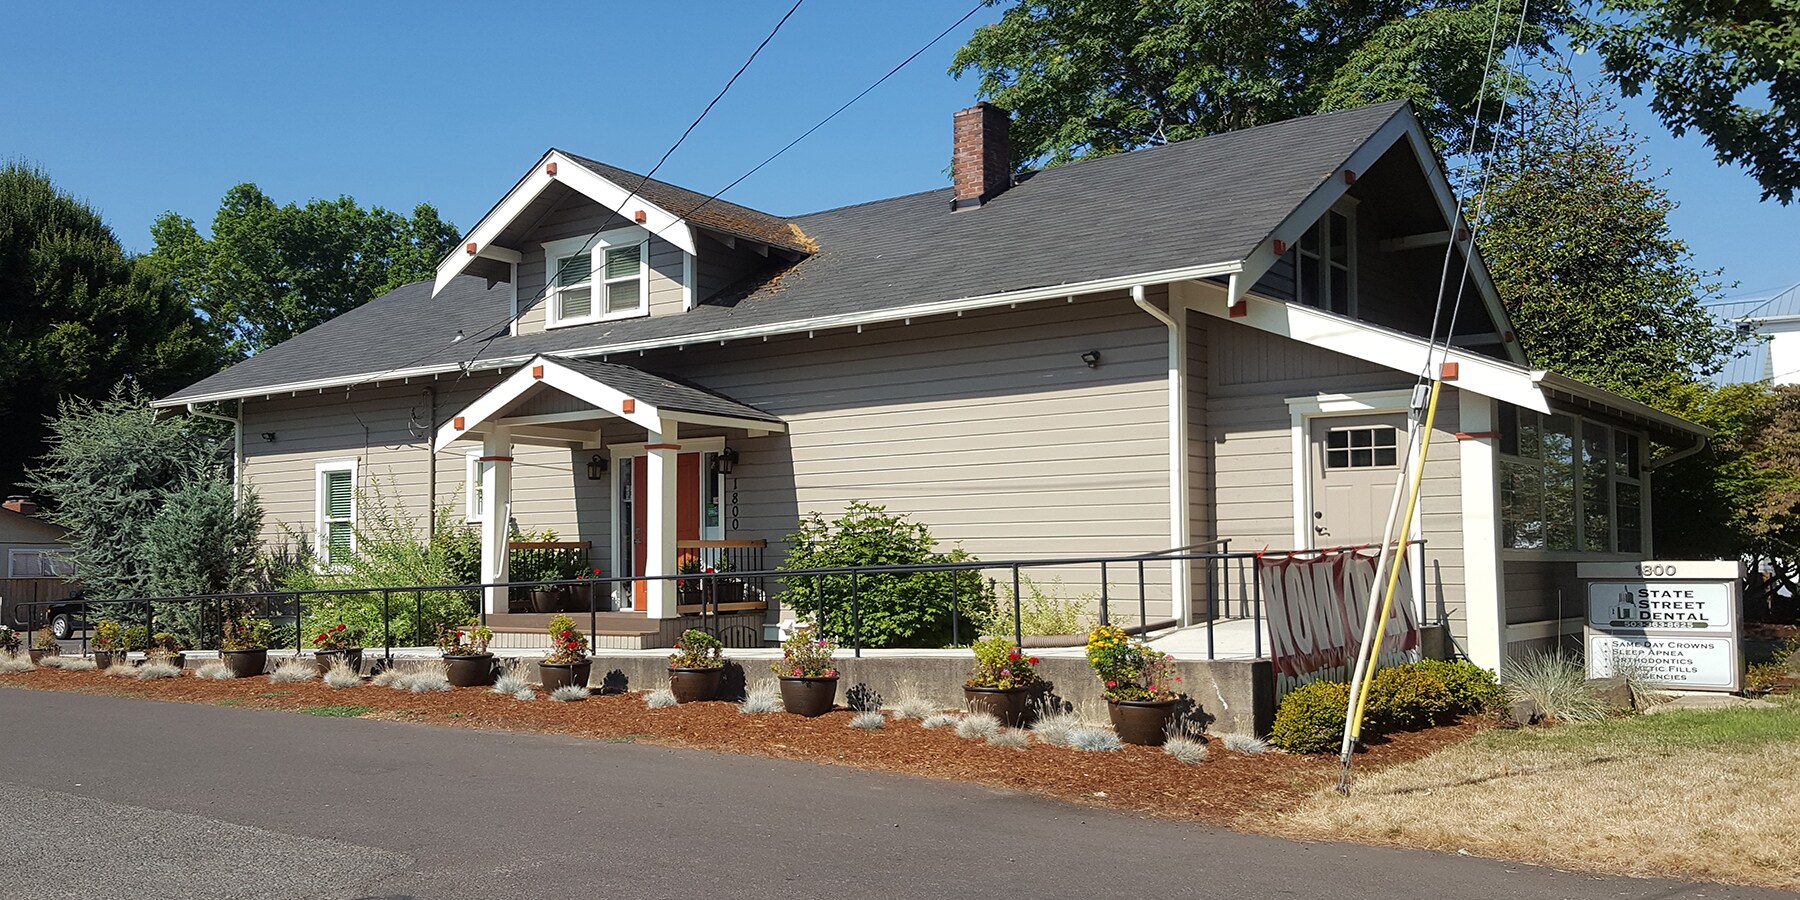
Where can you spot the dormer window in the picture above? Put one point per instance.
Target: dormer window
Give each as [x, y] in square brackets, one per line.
[598, 278]
[1325, 262]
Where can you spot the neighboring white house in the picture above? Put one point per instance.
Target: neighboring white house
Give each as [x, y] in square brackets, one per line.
[1775, 315]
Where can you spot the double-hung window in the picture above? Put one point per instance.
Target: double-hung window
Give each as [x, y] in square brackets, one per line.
[1325, 262]
[335, 503]
[599, 277]
[475, 481]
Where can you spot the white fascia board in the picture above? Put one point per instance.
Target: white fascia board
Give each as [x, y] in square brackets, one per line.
[707, 420]
[602, 397]
[1606, 398]
[576, 176]
[892, 314]
[1400, 127]
[1406, 353]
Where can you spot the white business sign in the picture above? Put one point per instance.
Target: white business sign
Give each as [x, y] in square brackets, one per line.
[1695, 663]
[1671, 624]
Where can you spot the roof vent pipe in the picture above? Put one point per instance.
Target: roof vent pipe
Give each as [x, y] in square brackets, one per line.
[981, 155]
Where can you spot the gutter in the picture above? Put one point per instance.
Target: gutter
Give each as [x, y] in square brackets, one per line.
[1553, 381]
[918, 310]
[237, 446]
[1180, 526]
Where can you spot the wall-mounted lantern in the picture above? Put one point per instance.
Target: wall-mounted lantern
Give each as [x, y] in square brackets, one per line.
[1092, 358]
[596, 468]
[725, 461]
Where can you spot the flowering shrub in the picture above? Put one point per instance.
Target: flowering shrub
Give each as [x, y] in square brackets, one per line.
[245, 634]
[46, 641]
[568, 645]
[337, 637]
[109, 637]
[1130, 668]
[1000, 664]
[806, 655]
[469, 640]
[696, 649]
[9, 640]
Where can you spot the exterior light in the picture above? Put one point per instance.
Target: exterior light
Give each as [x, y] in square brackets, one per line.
[596, 468]
[269, 436]
[1092, 358]
[725, 461]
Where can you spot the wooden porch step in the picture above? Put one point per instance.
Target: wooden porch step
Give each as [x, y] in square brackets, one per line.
[606, 623]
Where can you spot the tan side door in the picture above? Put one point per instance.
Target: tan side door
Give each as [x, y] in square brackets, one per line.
[1354, 460]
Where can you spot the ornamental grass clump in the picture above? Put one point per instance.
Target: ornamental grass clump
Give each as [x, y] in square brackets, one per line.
[216, 671]
[1244, 743]
[77, 664]
[1129, 668]
[117, 670]
[1001, 665]
[913, 706]
[1092, 739]
[1054, 729]
[152, 670]
[1556, 683]
[696, 649]
[806, 654]
[940, 720]
[341, 676]
[1010, 738]
[976, 726]
[430, 677]
[13, 662]
[868, 721]
[527, 695]
[569, 693]
[292, 670]
[512, 679]
[763, 698]
[661, 698]
[1184, 749]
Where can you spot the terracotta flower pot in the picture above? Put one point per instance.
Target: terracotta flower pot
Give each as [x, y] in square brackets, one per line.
[1012, 706]
[1143, 722]
[245, 663]
[325, 659]
[558, 675]
[471, 671]
[809, 697]
[696, 685]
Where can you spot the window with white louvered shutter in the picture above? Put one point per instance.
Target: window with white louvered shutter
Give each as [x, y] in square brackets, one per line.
[336, 513]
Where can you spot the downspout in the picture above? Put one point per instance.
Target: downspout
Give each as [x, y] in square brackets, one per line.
[431, 467]
[1180, 526]
[1649, 478]
[237, 444]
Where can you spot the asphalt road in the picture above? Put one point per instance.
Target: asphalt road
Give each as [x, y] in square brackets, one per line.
[111, 797]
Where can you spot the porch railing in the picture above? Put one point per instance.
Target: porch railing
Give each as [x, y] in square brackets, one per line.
[1225, 586]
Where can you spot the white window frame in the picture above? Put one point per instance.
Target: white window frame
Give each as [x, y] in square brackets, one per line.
[1582, 474]
[45, 556]
[322, 546]
[1320, 291]
[474, 480]
[597, 245]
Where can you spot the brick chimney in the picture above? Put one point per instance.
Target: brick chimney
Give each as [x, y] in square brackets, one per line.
[981, 159]
[22, 505]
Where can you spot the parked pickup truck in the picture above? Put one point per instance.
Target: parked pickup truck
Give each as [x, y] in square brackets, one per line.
[64, 617]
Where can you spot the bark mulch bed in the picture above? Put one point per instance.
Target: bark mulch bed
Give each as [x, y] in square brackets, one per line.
[1227, 788]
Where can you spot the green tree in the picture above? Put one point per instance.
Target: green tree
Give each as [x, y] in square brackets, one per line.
[1577, 236]
[77, 314]
[1089, 78]
[1730, 71]
[269, 272]
[146, 500]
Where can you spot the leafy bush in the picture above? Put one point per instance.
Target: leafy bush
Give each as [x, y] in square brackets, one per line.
[696, 649]
[1042, 610]
[1310, 718]
[389, 553]
[806, 654]
[1000, 664]
[1472, 688]
[1129, 668]
[246, 634]
[912, 610]
[108, 637]
[1764, 676]
[1556, 683]
[9, 640]
[568, 646]
[1405, 698]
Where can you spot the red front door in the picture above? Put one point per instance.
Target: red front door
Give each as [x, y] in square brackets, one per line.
[687, 513]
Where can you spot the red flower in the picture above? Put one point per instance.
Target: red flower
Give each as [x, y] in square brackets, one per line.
[1034, 660]
[1112, 684]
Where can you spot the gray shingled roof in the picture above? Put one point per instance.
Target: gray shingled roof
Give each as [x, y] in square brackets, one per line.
[661, 391]
[699, 209]
[1192, 203]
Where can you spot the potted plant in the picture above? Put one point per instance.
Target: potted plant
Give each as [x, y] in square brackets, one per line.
[339, 645]
[244, 647]
[9, 640]
[568, 664]
[109, 644]
[689, 590]
[726, 590]
[1139, 684]
[161, 647]
[697, 667]
[44, 645]
[809, 681]
[590, 592]
[1003, 681]
[466, 654]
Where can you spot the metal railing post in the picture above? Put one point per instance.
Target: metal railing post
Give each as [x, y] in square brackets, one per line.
[856, 609]
[387, 632]
[419, 616]
[955, 631]
[1104, 619]
[1212, 602]
[1018, 621]
[1256, 605]
[1143, 602]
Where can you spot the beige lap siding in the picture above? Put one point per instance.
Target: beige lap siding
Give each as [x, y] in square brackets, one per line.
[1252, 376]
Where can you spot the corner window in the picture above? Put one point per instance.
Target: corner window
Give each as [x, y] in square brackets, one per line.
[1325, 262]
[1569, 484]
[335, 504]
[604, 276]
[474, 485]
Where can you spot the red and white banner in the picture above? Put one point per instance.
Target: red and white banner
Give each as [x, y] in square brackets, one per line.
[1316, 602]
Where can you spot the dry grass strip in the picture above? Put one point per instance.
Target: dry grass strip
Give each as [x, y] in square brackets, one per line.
[1704, 795]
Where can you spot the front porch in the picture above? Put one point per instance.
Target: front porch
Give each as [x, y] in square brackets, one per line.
[661, 445]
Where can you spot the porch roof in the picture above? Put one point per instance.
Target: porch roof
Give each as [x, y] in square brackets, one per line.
[613, 390]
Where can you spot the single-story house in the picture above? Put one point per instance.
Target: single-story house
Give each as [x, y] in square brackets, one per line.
[1212, 339]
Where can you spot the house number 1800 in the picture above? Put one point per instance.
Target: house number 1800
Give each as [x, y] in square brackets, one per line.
[1652, 570]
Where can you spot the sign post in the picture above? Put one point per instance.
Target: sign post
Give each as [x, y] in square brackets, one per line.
[1670, 624]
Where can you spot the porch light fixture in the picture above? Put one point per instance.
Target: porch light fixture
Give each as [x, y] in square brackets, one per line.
[1092, 358]
[269, 436]
[725, 461]
[596, 468]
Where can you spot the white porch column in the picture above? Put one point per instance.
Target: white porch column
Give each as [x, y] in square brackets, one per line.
[496, 514]
[1484, 577]
[662, 453]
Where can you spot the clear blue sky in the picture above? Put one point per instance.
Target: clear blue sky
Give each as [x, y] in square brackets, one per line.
[139, 111]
